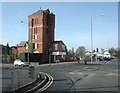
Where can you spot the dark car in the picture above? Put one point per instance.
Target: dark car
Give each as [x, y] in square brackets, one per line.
[107, 59]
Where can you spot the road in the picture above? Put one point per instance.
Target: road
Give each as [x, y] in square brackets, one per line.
[68, 76]
[74, 77]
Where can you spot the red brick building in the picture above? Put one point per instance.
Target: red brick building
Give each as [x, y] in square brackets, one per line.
[14, 50]
[41, 25]
[59, 51]
[41, 31]
[22, 47]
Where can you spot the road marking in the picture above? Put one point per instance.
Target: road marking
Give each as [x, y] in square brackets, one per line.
[111, 74]
[47, 85]
[75, 73]
[108, 62]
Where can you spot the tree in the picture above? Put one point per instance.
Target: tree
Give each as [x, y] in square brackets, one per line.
[7, 56]
[80, 51]
[7, 49]
[4, 58]
[70, 54]
[113, 52]
[102, 50]
[118, 53]
[30, 47]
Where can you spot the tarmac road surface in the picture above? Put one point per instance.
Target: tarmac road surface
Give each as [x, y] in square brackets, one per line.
[72, 76]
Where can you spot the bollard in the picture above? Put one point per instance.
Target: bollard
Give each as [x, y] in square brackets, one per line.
[78, 61]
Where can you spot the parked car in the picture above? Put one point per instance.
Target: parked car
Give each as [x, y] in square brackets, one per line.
[101, 59]
[69, 59]
[107, 58]
[18, 62]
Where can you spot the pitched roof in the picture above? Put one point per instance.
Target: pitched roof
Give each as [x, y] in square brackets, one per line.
[39, 11]
[22, 43]
[13, 47]
[59, 42]
[46, 11]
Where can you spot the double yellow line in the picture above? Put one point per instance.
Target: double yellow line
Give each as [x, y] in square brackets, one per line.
[48, 84]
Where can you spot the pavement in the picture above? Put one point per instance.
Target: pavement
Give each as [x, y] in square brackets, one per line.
[81, 62]
[41, 83]
[13, 77]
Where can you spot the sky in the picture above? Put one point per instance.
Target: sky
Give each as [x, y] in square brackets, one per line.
[72, 22]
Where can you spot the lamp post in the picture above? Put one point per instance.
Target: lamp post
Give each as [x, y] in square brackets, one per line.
[50, 55]
[27, 43]
[91, 39]
[28, 53]
[92, 34]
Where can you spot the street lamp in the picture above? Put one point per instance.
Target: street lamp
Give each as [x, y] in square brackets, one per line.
[24, 22]
[50, 50]
[49, 53]
[27, 43]
[92, 33]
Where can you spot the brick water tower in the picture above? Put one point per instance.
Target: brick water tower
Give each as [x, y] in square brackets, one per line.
[41, 31]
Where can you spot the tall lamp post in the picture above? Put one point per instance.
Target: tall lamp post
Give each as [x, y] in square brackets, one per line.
[50, 50]
[28, 43]
[49, 53]
[92, 34]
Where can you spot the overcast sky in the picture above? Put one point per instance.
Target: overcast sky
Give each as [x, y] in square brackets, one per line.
[72, 22]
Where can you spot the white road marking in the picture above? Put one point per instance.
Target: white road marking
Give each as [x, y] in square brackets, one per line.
[111, 74]
[108, 62]
[77, 71]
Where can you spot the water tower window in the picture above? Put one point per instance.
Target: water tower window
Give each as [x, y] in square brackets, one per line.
[32, 22]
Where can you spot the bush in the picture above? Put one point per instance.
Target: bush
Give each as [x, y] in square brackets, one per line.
[8, 58]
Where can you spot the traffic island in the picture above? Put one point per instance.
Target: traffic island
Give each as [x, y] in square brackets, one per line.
[40, 84]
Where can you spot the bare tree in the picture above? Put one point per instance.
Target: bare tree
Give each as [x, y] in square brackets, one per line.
[80, 51]
[113, 52]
